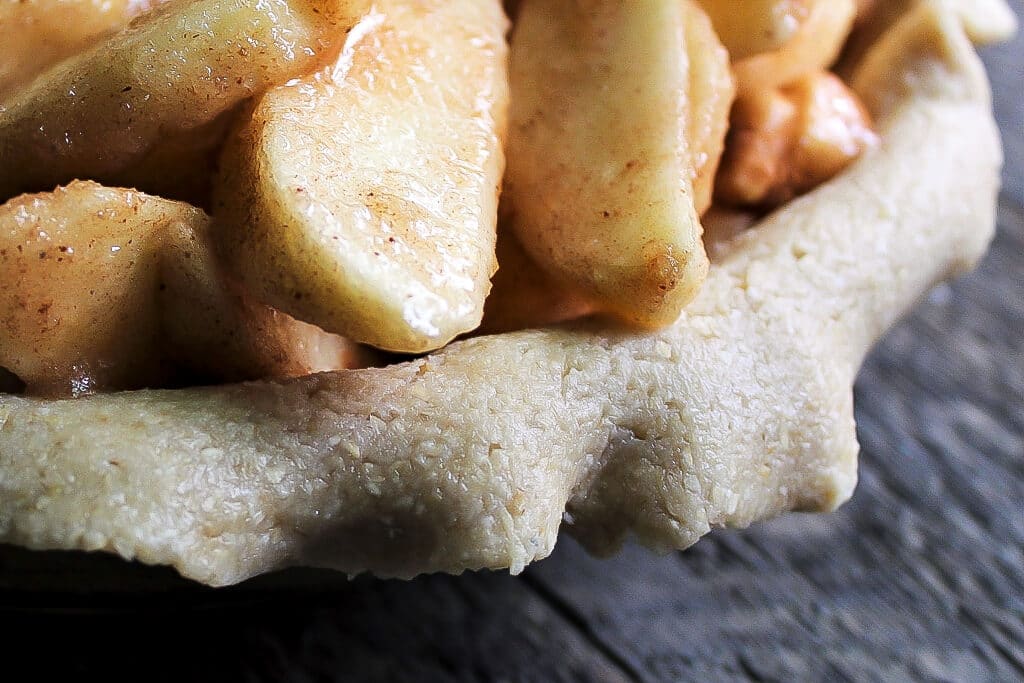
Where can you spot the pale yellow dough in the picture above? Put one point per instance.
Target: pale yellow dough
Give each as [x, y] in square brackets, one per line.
[471, 457]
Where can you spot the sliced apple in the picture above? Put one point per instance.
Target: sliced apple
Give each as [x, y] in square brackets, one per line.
[215, 330]
[750, 27]
[180, 165]
[600, 167]
[709, 100]
[107, 288]
[363, 199]
[814, 46]
[35, 34]
[80, 269]
[524, 296]
[174, 69]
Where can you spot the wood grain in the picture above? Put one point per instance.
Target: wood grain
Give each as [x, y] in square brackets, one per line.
[920, 577]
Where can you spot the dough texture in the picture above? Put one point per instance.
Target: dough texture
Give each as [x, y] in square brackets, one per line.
[476, 455]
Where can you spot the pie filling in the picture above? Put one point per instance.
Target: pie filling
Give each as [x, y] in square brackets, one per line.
[316, 182]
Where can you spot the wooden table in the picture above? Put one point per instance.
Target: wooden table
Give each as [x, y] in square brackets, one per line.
[920, 577]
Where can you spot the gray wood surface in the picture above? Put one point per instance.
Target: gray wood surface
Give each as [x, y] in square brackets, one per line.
[920, 577]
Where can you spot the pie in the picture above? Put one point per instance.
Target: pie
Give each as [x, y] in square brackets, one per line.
[476, 454]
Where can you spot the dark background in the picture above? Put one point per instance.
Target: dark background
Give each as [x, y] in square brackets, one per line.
[920, 577]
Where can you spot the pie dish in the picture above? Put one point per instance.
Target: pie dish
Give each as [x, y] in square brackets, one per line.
[476, 455]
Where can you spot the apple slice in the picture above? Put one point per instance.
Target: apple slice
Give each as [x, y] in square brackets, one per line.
[35, 34]
[524, 296]
[600, 164]
[363, 199]
[215, 330]
[80, 269]
[751, 27]
[106, 288]
[172, 70]
[814, 45]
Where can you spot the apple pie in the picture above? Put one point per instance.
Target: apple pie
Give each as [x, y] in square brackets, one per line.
[412, 285]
